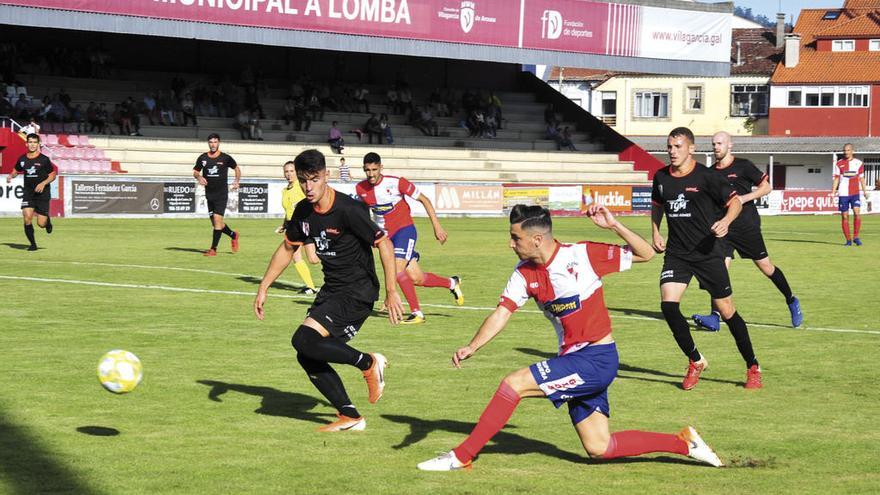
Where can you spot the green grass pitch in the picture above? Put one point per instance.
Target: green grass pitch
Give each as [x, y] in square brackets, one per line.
[225, 408]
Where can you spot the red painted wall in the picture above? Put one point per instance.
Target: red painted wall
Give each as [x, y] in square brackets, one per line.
[874, 110]
[825, 45]
[12, 146]
[822, 121]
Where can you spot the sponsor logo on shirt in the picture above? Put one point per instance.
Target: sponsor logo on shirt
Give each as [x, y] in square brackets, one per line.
[382, 209]
[32, 170]
[305, 227]
[565, 383]
[678, 203]
[543, 369]
[534, 285]
[332, 231]
[692, 189]
[731, 176]
[213, 170]
[563, 306]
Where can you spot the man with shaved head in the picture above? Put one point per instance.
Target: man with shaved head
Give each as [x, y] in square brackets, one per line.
[744, 234]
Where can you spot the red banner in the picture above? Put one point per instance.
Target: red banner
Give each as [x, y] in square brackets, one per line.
[562, 25]
[808, 202]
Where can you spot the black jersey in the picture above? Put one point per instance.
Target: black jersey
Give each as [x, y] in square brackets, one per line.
[215, 171]
[742, 174]
[343, 237]
[35, 170]
[692, 203]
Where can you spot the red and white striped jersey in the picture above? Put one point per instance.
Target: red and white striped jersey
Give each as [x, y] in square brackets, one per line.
[386, 199]
[568, 288]
[849, 172]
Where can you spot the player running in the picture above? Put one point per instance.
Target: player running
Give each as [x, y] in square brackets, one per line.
[566, 281]
[343, 234]
[385, 194]
[212, 170]
[290, 196]
[39, 173]
[849, 174]
[744, 233]
[694, 200]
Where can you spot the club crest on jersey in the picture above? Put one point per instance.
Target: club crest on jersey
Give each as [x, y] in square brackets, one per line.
[305, 227]
[383, 209]
[563, 306]
[678, 203]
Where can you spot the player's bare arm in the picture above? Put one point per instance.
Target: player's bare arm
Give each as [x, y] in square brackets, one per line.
[439, 233]
[198, 176]
[763, 189]
[392, 298]
[602, 217]
[719, 228]
[658, 243]
[834, 185]
[492, 326]
[311, 254]
[237, 180]
[279, 262]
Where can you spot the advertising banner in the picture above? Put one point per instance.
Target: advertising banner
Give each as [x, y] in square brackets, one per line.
[565, 198]
[113, 197]
[469, 199]
[641, 199]
[616, 198]
[180, 197]
[11, 194]
[253, 198]
[559, 25]
[526, 195]
[808, 202]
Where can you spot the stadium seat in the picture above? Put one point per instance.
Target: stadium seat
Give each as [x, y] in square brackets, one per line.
[72, 139]
[62, 139]
[84, 141]
[52, 139]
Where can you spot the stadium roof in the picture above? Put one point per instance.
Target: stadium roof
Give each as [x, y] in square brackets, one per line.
[621, 36]
[769, 144]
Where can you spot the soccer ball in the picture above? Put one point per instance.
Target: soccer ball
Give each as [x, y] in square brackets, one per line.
[120, 371]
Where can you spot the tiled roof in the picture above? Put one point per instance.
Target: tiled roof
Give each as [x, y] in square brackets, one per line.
[828, 67]
[769, 144]
[758, 51]
[575, 74]
[861, 4]
[862, 26]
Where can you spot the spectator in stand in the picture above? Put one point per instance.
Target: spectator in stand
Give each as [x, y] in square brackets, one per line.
[241, 124]
[494, 106]
[133, 110]
[151, 108]
[254, 127]
[92, 118]
[31, 128]
[344, 171]
[372, 128]
[425, 122]
[386, 129]
[334, 139]
[104, 118]
[552, 132]
[406, 102]
[315, 107]
[360, 98]
[477, 123]
[63, 97]
[122, 119]
[77, 116]
[327, 100]
[287, 111]
[565, 141]
[44, 112]
[166, 108]
[22, 107]
[301, 119]
[188, 107]
[392, 101]
[550, 115]
[491, 124]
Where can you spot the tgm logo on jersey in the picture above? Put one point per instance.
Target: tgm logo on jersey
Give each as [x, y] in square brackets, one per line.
[32, 170]
[322, 242]
[563, 306]
[466, 16]
[383, 209]
[551, 24]
[213, 170]
[678, 203]
[565, 383]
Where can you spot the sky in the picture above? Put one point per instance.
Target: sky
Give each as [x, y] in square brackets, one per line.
[789, 7]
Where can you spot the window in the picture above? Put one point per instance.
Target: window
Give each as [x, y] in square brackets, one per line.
[831, 15]
[694, 99]
[609, 103]
[652, 104]
[852, 96]
[828, 96]
[749, 99]
[872, 172]
[843, 45]
[794, 97]
[874, 45]
[811, 97]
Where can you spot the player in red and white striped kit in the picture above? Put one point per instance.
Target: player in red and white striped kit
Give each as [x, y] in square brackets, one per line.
[385, 195]
[566, 282]
[849, 174]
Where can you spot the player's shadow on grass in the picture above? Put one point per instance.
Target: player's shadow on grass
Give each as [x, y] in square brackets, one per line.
[806, 241]
[656, 315]
[275, 285]
[274, 402]
[184, 249]
[14, 245]
[676, 379]
[504, 442]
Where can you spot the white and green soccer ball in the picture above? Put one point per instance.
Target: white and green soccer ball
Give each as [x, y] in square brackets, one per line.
[120, 371]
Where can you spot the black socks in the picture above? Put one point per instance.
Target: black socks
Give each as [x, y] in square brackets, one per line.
[681, 330]
[740, 334]
[778, 279]
[29, 232]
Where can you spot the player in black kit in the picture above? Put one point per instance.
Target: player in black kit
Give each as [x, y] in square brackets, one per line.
[38, 176]
[344, 236]
[694, 200]
[212, 171]
[744, 234]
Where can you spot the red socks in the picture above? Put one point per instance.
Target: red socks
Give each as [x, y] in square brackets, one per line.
[857, 224]
[432, 280]
[494, 418]
[844, 224]
[633, 442]
[409, 291]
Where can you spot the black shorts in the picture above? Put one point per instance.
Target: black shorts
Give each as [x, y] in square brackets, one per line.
[711, 273]
[39, 202]
[217, 203]
[340, 315]
[749, 244]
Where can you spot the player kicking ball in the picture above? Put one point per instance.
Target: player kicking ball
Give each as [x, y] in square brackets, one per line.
[566, 281]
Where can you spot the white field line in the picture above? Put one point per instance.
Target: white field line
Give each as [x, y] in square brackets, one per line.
[303, 296]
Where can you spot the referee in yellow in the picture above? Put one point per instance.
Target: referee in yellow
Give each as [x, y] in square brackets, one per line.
[290, 196]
